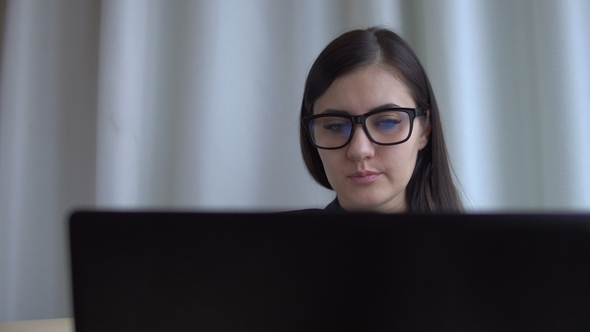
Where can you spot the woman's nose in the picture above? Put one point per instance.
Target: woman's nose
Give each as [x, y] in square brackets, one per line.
[360, 146]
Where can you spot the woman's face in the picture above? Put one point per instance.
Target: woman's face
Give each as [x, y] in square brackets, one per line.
[367, 176]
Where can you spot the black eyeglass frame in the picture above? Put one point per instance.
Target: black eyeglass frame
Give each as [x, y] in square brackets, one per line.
[360, 119]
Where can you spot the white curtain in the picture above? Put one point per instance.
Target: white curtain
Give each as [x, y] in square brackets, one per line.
[194, 105]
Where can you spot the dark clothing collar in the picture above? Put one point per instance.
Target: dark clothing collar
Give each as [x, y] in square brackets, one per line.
[334, 207]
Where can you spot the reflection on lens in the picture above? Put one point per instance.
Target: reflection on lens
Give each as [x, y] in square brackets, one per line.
[388, 127]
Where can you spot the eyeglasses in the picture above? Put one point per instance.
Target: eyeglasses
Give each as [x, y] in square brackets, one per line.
[383, 127]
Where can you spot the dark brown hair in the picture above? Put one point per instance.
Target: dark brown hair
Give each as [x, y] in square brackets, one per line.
[431, 187]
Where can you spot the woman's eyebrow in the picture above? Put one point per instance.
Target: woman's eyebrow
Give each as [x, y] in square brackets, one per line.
[384, 106]
[333, 111]
[381, 107]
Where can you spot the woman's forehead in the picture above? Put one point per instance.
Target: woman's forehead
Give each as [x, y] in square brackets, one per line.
[363, 89]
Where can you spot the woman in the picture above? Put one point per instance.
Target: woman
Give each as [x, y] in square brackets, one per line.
[371, 130]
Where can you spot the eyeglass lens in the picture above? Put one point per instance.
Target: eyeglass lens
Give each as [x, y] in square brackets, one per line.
[388, 127]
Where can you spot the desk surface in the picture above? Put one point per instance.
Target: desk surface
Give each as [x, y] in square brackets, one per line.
[40, 325]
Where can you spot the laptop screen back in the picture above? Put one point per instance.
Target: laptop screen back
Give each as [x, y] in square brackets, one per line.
[299, 272]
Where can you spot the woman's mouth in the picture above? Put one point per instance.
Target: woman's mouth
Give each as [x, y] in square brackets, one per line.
[364, 177]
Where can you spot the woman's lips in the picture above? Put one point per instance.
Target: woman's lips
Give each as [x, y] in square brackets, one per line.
[364, 177]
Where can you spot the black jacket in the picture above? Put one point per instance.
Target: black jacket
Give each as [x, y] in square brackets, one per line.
[334, 206]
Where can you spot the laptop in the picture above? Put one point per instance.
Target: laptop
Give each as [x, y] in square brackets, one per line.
[177, 271]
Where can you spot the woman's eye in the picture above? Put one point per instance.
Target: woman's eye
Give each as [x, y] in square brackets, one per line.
[338, 128]
[332, 127]
[385, 124]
